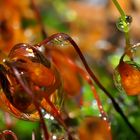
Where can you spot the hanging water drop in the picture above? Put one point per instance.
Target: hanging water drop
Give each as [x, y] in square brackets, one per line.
[124, 24]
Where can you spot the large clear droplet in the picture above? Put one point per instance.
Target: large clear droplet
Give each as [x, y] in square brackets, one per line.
[124, 25]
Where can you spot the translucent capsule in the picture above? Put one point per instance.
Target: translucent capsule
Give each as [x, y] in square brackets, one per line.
[124, 25]
[127, 73]
[65, 64]
[36, 72]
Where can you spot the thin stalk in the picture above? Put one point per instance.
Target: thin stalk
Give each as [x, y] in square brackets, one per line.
[93, 76]
[96, 96]
[87, 78]
[125, 24]
[122, 13]
[127, 41]
[58, 117]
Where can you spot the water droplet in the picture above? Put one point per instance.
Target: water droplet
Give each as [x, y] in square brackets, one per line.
[124, 25]
[54, 137]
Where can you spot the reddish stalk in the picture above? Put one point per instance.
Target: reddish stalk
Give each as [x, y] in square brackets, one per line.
[87, 78]
[115, 104]
[66, 37]
[99, 104]
[56, 114]
[89, 81]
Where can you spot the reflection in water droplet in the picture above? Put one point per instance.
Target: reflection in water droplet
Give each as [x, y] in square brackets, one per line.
[124, 25]
[54, 137]
[47, 116]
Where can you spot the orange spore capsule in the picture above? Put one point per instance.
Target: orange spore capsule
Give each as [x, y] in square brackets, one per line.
[40, 75]
[68, 72]
[130, 78]
[94, 128]
[35, 72]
